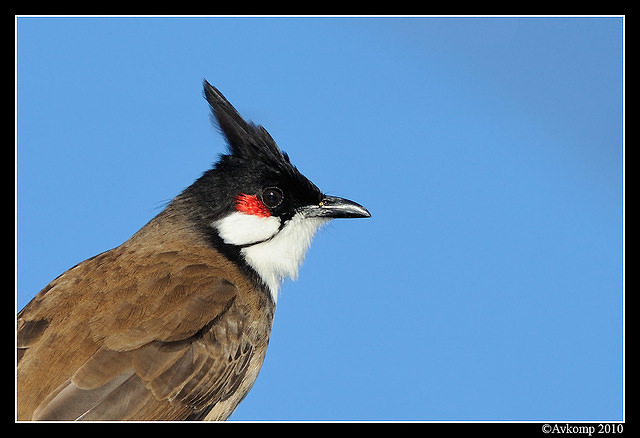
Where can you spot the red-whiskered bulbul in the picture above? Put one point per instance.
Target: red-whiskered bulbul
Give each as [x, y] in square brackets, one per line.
[174, 323]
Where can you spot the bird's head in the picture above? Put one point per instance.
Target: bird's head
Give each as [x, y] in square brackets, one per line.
[256, 203]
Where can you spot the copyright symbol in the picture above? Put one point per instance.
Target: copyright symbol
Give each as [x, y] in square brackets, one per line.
[546, 428]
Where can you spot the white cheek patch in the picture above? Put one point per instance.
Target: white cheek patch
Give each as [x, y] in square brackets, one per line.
[244, 229]
[281, 256]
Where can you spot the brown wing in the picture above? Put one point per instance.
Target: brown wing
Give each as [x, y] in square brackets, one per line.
[160, 337]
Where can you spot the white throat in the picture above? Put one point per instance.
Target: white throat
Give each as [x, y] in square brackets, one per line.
[272, 252]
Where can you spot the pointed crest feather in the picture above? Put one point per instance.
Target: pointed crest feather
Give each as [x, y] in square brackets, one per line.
[245, 140]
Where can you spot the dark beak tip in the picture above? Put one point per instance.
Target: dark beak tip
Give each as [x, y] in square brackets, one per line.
[343, 208]
[362, 212]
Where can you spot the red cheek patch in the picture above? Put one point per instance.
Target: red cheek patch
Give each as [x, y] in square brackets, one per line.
[250, 204]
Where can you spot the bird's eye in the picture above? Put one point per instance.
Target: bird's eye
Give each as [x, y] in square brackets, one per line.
[272, 197]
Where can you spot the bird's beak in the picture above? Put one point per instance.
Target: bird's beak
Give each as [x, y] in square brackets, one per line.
[333, 207]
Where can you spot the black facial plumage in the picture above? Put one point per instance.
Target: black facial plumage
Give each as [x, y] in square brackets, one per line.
[252, 163]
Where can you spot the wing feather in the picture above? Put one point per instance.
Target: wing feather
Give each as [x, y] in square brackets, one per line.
[168, 346]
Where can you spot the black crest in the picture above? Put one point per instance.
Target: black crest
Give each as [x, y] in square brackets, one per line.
[246, 141]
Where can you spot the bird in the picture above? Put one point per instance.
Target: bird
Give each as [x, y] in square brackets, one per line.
[174, 323]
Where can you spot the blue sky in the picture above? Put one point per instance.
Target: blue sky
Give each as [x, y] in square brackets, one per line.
[488, 285]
